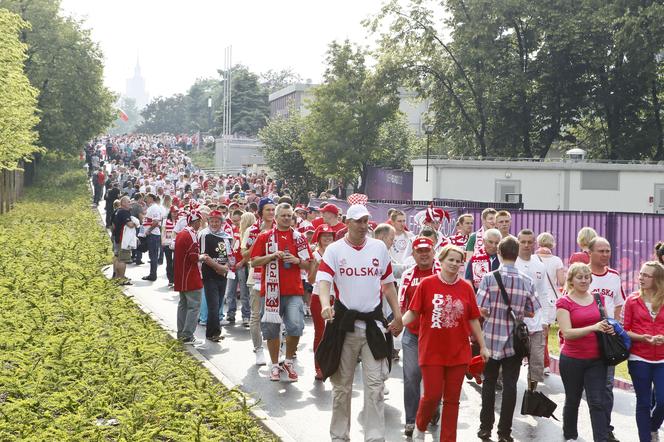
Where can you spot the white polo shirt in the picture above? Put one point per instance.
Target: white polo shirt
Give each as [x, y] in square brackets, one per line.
[609, 287]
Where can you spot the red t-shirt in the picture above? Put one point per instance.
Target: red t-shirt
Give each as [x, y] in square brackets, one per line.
[583, 257]
[290, 281]
[418, 276]
[445, 313]
[580, 316]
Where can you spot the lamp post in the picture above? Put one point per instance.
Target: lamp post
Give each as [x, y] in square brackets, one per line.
[428, 129]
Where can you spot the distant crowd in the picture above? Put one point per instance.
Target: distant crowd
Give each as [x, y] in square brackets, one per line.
[474, 304]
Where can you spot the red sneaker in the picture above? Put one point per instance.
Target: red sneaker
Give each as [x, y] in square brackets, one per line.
[290, 371]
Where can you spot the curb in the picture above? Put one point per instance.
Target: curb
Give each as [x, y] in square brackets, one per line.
[261, 417]
[617, 382]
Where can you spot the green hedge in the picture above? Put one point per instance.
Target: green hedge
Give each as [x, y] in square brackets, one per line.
[75, 353]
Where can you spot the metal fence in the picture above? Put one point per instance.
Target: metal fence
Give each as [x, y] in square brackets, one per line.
[632, 235]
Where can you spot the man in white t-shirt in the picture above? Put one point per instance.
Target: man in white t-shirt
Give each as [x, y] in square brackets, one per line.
[538, 325]
[402, 247]
[607, 283]
[359, 268]
[152, 224]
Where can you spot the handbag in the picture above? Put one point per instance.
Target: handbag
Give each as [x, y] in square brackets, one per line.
[520, 334]
[612, 347]
[535, 403]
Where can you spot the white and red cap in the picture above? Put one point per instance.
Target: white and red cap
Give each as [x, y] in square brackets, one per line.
[422, 242]
[357, 211]
[357, 198]
[300, 208]
[435, 214]
[323, 228]
[194, 215]
[216, 214]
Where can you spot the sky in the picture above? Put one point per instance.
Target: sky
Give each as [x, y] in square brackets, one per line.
[178, 42]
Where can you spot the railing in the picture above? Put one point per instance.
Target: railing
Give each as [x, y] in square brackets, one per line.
[540, 160]
[462, 204]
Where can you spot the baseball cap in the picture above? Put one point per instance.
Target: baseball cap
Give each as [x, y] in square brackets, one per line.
[422, 243]
[323, 228]
[312, 209]
[215, 214]
[330, 208]
[356, 211]
[299, 208]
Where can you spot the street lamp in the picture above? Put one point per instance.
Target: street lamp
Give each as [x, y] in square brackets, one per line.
[428, 129]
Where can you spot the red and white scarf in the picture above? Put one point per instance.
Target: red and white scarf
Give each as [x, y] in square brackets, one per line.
[479, 240]
[407, 280]
[481, 263]
[271, 269]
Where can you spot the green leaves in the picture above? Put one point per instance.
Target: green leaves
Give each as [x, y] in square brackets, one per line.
[75, 353]
[66, 67]
[18, 100]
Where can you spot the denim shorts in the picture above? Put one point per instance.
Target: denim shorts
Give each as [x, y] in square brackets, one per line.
[291, 310]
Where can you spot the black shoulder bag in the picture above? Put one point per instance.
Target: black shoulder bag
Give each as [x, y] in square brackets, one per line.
[611, 347]
[520, 334]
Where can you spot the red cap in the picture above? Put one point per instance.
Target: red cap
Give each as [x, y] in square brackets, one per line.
[216, 214]
[323, 228]
[307, 228]
[330, 208]
[476, 368]
[422, 242]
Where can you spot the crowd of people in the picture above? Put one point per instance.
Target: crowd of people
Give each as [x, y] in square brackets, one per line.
[448, 306]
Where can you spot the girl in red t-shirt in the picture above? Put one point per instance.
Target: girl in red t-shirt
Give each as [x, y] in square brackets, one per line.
[448, 313]
[323, 237]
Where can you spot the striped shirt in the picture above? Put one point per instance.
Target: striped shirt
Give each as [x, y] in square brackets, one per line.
[498, 326]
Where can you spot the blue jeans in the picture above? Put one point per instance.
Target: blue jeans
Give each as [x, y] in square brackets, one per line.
[231, 299]
[412, 376]
[589, 375]
[154, 248]
[291, 310]
[645, 375]
[215, 291]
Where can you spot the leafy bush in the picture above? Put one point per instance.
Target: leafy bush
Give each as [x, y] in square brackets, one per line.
[75, 354]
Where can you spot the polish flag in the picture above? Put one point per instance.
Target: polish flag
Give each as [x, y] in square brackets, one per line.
[123, 115]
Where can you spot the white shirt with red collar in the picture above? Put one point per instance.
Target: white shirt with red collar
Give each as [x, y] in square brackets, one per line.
[357, 273]
[609, 287]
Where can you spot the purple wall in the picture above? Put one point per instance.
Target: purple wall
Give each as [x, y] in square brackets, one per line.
[384, 184]
[633, 236]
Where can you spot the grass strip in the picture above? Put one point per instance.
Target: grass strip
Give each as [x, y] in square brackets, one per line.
[78, 360]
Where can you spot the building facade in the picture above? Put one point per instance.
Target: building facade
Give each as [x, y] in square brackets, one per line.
[136, 88]
[561, 184]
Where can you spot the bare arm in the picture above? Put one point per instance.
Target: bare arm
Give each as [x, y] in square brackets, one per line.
[390, 293]
[260, 261]
[409, 317]
[565, 324]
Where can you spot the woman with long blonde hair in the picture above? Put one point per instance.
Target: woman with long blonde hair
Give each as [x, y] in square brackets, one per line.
[644, 323]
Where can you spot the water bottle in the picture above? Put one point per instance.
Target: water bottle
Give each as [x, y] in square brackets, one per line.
[287, 265]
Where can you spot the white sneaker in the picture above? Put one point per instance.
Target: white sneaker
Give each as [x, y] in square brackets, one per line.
[224, 322]
[260, 357]
[654, 436]
[417, 434]
[195, 342]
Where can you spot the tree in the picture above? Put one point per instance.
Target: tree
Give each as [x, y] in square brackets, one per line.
[18, 100]
[273, 81]
[165, 115]
[514, 77]
[340, 138]
[281, 138]
[128, 105]
[66, 66]
[397, 144]
[198, 113]
[249, 103]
